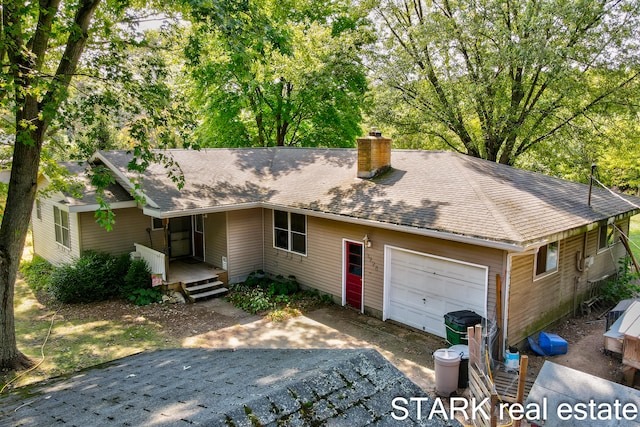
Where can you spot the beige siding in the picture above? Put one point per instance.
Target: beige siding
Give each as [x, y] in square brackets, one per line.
[322, 267]
[44, 237]
[536, 303]
[130, 227]
[244, 244]
[215, 230]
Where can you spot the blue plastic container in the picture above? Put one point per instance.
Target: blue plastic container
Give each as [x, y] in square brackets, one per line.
[552, 344]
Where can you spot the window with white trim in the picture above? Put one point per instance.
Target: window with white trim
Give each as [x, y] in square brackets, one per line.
[606, 237]
[156, 223]
[61, 223]
[38, 209]
[290, 231]
[547, 258]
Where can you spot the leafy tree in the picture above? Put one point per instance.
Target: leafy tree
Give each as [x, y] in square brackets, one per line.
[274, 74]
[41, 47]
[494, 79]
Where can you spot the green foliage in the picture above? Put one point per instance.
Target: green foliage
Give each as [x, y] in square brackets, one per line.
[251, 299]
[92, 277]
[36, 273]
[626, 284]
[283, 287]
[496, 79]
[265, 77]
[137, 285]
[145, 296]
[281, 297]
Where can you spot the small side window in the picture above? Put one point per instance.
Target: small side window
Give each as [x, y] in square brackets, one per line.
[606, 237]
[547, 259]
[156, 224]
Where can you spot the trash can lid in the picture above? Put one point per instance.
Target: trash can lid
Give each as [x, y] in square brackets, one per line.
[461, 349]
[446, 355]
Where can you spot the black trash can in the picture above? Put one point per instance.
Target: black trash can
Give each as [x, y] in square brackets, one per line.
[457, 322]
[463, 369]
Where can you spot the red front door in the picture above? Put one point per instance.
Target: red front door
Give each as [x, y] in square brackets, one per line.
[353, 274]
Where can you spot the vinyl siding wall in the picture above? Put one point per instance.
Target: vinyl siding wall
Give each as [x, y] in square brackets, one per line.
[215, 231]
[44, 235]
[130, 227]
[321, 268]
[537, 303]
[244, 243]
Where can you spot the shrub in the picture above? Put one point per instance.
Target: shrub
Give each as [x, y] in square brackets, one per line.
[624, 286]
[36, 273]
[137, 285]
[94, 276]
[284, 287]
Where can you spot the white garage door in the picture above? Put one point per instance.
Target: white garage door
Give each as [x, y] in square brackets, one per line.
[420, 289]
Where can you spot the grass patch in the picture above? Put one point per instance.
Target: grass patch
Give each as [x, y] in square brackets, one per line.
[73, 344]
[634, 236]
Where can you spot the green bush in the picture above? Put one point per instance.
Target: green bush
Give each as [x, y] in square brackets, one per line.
[624, 286]
[252, 299]
[137, 285]
[94, 276]
[36, 273]
[283, 287]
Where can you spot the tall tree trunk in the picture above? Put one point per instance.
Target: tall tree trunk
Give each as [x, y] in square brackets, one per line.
[15, 223]
[33, 113]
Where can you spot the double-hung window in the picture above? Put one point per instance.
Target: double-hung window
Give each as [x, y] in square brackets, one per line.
[547, 258]
[61, 222]
[290, 231]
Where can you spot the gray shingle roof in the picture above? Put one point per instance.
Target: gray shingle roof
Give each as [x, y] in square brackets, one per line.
[223, 387]
[113, 193]
[432, 190]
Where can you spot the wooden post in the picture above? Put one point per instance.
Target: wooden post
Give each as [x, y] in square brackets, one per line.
[522, 379]
[478, 335]
[473, 352]
[625, 242]
[494, 404]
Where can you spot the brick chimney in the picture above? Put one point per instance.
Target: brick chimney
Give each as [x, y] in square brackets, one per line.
[374, 154]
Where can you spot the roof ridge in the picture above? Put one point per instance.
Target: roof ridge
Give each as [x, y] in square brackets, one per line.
[503, 221]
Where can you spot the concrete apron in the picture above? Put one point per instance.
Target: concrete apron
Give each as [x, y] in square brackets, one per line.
[329, 327]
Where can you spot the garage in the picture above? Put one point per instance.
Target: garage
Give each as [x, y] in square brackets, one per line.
[419, 289]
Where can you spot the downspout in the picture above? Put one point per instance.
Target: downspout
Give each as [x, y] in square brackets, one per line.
[263, 244]
[364, 246]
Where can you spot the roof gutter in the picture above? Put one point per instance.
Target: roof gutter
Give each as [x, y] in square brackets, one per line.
[96, 207]
[513, 247]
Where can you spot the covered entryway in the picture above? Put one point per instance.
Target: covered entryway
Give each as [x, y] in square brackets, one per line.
[419, 289]
[353, 274]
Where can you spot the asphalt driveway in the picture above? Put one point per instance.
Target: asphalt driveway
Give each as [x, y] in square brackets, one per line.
[329, 327]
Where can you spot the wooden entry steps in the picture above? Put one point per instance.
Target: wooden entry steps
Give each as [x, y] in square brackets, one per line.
[204, 288]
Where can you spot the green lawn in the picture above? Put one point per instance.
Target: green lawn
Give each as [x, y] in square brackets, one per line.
[74, 344]
[634, 236]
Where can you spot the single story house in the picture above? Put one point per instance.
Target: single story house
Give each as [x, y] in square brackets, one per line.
[403, 235]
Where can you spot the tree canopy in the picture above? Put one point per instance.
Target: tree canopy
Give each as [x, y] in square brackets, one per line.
[274, 74]
[494, 79]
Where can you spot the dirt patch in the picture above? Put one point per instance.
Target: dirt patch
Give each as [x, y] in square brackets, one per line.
[584, 336]
[215, 324]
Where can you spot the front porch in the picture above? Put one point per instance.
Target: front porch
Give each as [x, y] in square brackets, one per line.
[194, 278]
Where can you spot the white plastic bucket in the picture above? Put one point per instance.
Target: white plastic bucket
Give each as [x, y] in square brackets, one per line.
[446, 363]
[512, 360]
